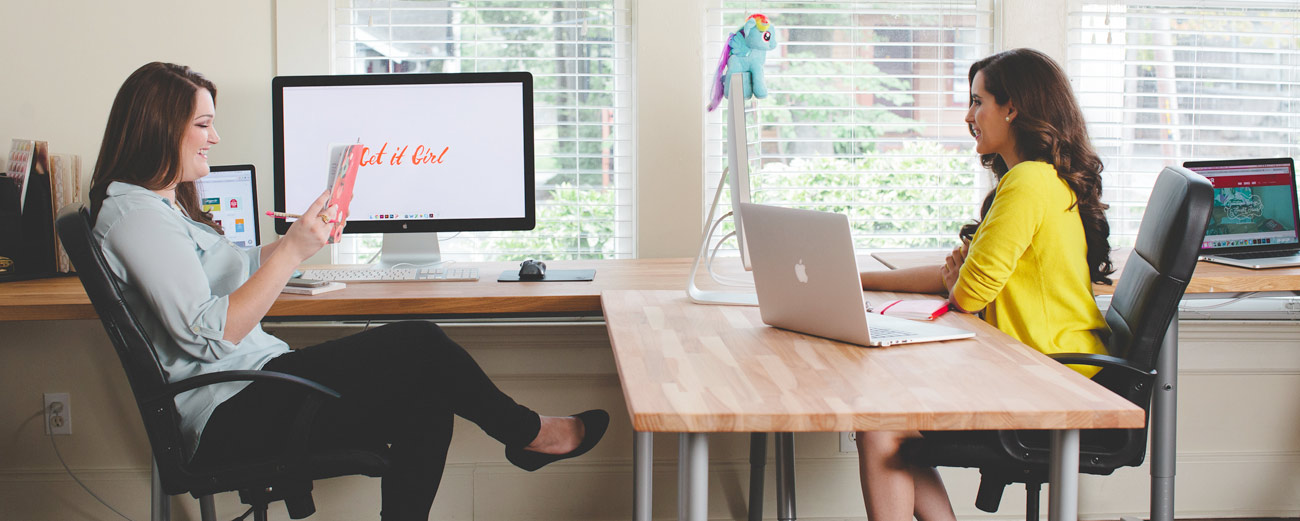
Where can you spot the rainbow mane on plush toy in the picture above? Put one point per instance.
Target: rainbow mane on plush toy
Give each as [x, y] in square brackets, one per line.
[744, 54]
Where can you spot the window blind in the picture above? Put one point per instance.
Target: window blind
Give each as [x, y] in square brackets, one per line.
[580, 56]
[864, 116]
[1165, 82]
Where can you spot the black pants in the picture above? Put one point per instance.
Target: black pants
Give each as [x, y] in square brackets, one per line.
[401, 384]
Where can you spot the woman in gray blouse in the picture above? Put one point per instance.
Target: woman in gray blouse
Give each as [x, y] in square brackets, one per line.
[201, 299]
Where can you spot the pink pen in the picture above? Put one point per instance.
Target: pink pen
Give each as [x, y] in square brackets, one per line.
[282, 215]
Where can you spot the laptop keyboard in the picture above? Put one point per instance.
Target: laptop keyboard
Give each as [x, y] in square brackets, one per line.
[1260, 254]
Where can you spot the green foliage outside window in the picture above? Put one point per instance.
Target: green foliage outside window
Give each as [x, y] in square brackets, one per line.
[846, 129]
[915, 197]
[574, 224]
[570, 48]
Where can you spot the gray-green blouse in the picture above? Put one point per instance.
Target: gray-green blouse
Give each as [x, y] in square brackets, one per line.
[177, 276]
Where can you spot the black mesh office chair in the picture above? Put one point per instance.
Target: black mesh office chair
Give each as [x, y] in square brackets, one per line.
[287, 476]
[1143, 305]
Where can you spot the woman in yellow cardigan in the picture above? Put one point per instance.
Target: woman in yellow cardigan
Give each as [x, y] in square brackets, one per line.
[1041, 243]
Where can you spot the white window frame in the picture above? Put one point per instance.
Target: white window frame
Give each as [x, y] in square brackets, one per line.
[944, 124]
[1138, 133]
[356, 247]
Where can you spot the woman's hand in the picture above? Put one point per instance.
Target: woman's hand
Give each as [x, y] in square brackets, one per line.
[308, 235]
[951, 268]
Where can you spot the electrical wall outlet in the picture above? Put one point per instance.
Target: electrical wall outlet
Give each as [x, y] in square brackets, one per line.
[848, 442]
[58, 413]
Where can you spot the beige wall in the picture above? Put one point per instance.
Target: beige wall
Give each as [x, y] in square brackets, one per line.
[69, 57]
[1240, 419]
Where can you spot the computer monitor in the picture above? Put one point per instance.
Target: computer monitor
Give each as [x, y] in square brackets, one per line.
[230, 193]
[443, 152]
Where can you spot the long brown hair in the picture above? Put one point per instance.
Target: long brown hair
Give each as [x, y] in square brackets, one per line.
[1049, 127]
[142, 141]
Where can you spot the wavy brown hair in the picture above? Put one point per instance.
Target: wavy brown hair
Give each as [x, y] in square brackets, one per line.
[142, 141]
[1049, 127]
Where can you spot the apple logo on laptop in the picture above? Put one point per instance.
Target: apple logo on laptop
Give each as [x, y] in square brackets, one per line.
[801, 272]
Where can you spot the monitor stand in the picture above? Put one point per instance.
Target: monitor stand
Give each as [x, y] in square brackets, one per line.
[410, 250]
[702, 296]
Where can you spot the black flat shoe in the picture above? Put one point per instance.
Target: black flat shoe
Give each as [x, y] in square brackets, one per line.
[594, 423]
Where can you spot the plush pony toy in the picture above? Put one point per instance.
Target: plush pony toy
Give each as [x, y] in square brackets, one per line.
[745, 53]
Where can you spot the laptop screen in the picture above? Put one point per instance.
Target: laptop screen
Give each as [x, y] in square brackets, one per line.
[230, 193]
[1254, 204]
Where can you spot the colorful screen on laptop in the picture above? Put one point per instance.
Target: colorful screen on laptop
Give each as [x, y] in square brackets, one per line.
[230, 193]
[1254, 204]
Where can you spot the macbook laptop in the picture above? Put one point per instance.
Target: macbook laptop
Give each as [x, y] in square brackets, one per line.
[806, 275]
[230, 193]
[1253, 222]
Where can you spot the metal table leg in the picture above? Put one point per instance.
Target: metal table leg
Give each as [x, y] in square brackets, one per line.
[642, 475]
[692, 476]
[160, 504]
[785, 476]
[683, 475]
[1063, 476]
[757, 469]
[1164, 427]
[207, 508]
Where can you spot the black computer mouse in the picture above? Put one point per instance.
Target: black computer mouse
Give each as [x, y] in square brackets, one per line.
[532, 270]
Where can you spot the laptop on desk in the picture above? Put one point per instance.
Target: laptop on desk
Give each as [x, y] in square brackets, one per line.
[230, 193]
[806, 276]
[1253, 222]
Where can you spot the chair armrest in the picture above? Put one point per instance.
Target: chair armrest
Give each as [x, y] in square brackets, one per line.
[1096, 360]
[299, 432]
[171, 390]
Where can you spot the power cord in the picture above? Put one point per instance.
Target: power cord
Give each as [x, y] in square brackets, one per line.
[1239, 298]
[78, 480]
[723, 279]
[719, 278]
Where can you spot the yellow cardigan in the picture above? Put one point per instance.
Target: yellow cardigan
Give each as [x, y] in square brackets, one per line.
[1027, 266]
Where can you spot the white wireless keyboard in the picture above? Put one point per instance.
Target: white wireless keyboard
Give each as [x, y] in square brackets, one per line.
[394, 275]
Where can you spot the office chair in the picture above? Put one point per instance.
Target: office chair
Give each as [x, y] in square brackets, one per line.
[1142, 308]
[286, 476]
